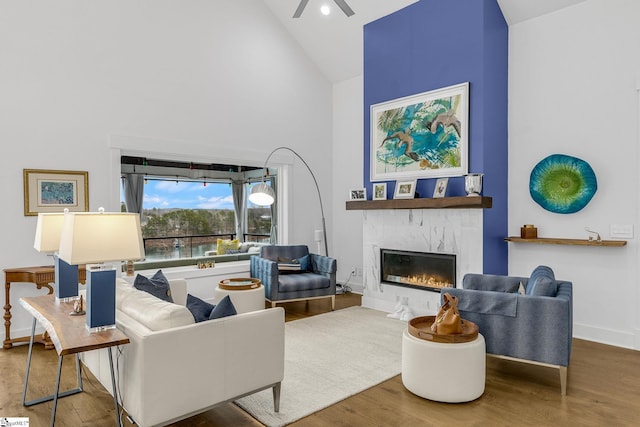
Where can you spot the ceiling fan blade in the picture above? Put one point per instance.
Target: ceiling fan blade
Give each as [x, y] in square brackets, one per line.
[342, 4]
[301, 6]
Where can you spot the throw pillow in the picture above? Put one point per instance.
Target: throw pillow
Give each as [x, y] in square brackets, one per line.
[225, 244]
[201, 310]
[223, 309]
[157, 285]
[542, 282]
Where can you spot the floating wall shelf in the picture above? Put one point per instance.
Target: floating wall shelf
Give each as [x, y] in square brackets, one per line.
[556, 241]
[426, 203]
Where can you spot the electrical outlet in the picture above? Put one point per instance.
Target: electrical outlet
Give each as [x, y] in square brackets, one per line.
[359, 271]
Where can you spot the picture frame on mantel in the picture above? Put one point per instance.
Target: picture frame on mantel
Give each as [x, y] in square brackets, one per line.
[48, 191]
[420, 136]
[405, 189]
[441, 187]
[380, 191]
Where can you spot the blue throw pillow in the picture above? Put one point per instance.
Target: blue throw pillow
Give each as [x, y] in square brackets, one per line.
[542, 282]
[201, 310]
[157, 285]
[223, 309]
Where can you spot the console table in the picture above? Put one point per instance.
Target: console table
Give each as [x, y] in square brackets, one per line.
[69, 336]
[40, 276]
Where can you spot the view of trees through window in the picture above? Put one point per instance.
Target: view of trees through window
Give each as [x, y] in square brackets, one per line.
[182, 219]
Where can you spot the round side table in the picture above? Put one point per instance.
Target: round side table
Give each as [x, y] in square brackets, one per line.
[246, 294]
[444, 372]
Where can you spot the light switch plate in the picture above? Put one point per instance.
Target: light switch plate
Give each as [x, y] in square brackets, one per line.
[621, 231]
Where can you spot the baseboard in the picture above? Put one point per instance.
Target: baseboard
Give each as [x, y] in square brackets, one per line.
[630, 340]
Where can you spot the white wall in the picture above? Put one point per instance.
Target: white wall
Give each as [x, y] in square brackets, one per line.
[573, 89]
[348, 166]
[199, 79]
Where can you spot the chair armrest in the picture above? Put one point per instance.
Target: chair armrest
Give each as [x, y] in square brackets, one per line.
[267, 272]
[323, 264]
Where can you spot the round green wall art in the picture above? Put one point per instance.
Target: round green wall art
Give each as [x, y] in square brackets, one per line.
[562, 184]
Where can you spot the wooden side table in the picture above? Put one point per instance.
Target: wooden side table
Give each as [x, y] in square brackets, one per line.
[41, 276]
[69, 336]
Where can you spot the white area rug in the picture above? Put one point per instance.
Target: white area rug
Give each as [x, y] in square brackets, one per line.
[328, 358]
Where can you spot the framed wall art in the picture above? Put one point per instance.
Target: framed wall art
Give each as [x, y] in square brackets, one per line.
[55, 191]
[358, 194]
[420, 136]
[380, 191]
[405, 189]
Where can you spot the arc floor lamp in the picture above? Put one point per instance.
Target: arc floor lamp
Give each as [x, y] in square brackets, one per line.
[263, 195]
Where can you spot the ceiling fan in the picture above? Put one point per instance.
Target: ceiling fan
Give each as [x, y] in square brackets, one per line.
[342, 4]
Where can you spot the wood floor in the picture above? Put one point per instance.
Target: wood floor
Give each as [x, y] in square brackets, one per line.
[603, 390]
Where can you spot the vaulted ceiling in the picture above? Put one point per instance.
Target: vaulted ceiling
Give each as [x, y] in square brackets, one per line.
[334, 42]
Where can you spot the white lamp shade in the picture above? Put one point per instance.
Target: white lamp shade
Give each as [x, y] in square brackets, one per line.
[262, 195]
[48, 231]
[89, 237]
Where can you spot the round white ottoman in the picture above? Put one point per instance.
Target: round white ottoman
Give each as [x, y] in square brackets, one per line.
[244, 301]
[442, 372]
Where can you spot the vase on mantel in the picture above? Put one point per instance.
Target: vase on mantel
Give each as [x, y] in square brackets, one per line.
[473, 184]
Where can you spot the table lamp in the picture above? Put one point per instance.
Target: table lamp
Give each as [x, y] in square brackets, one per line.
[47, 239]
[96, 238]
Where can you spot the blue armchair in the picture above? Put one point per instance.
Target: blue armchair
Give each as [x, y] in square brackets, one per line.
[524, 319]
[315, 278]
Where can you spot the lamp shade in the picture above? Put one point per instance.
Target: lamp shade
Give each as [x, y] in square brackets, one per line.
[48, 231]
[89, 237]
[262, 194]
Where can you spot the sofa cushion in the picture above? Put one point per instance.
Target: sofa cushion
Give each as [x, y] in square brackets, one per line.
[157, 285]
[223, 309]
[542, 282]
[199, 309]
[225, 245]
[302, 282]
[153, 312]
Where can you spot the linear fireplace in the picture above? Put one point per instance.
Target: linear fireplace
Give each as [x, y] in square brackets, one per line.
[421, 270]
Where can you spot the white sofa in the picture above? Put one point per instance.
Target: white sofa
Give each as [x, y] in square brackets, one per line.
[175, 368]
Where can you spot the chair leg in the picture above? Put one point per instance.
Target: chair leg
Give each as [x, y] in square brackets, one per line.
[563, 380]
[276, 397]
[273, 304]
[333, 302]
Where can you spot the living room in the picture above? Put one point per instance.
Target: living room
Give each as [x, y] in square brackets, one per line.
[85, 83]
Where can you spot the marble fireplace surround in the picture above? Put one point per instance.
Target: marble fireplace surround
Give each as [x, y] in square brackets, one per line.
[449, 231]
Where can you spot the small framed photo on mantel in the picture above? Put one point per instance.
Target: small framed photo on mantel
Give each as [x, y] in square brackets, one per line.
[358, 194]
[380, 191]
[405, 189]
[441, 187]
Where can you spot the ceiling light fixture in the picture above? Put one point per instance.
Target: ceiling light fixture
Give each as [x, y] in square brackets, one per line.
[325, 9]
[342, 4]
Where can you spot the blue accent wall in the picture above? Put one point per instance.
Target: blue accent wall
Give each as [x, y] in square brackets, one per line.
[432, 44]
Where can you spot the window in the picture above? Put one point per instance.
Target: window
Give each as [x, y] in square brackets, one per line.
[185, 207]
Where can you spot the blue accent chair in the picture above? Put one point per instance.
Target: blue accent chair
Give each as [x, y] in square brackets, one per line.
[534, 326]
[317, 278]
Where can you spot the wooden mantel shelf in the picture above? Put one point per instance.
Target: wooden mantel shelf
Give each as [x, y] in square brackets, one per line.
[556, 241]
[426, 203]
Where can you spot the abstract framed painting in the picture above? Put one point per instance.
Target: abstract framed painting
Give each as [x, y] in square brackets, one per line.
[421, 136]
[55, 191]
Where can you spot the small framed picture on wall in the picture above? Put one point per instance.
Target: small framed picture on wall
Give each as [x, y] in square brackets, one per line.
[358, 194]
[441, 187]
[380, 191]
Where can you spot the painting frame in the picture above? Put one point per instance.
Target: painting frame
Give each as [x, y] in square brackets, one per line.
[405, 189]
[358, 194]
[379, 191]
[71, 191]
[441, 187]
[425, 135]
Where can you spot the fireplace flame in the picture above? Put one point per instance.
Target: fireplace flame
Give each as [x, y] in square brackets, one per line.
[425, 280]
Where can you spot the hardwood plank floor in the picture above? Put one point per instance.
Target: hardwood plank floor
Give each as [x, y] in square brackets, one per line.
[603, 389]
